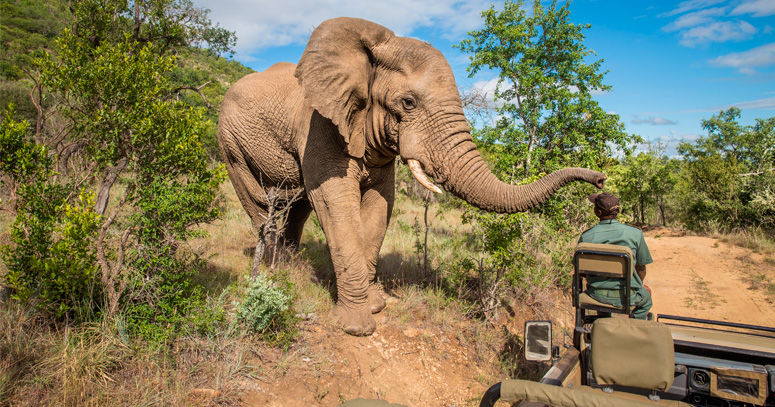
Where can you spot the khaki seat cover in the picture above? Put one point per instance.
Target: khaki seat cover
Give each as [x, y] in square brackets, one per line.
[369, 403]
[585, 299]
[602, 263]
[633, 353]
[516, 390]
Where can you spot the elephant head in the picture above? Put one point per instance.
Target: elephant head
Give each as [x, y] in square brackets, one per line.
[392, 96]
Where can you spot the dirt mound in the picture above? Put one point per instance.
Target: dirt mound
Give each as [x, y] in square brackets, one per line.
[428, 367]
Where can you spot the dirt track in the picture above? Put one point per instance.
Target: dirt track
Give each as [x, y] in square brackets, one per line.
[702, 277]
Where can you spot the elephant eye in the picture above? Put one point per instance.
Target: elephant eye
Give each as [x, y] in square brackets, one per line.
[408, 103]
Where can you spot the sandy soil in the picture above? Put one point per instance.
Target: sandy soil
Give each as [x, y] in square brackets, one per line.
[426, 366]
[702, 277]
[420, 367]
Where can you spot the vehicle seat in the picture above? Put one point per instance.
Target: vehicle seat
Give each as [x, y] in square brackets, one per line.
[601, 260]
[632, 353]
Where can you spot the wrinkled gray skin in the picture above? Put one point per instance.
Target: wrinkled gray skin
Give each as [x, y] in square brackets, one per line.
[333, 125]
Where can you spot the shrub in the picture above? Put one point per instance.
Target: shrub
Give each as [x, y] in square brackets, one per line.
[267, 309]
[51, 259]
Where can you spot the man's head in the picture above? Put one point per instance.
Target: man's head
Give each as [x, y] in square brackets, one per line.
[606, 205]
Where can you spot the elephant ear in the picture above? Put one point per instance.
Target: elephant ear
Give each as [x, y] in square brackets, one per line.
[335, 73]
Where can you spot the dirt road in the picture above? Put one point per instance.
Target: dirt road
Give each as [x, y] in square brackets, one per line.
[702, 277]
[416, 363]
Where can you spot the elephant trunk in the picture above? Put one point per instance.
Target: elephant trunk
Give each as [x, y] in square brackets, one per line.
[463, 172]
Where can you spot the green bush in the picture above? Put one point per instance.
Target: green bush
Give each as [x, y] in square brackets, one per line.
[267, 309]
[51, 258]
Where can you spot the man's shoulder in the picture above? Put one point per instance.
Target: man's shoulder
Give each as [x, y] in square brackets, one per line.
[632, 229]
[587, 232]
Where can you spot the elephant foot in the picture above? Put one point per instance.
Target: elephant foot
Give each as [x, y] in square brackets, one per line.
[376, 300]
[355, 322]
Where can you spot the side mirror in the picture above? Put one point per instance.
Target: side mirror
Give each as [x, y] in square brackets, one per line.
[538, 340]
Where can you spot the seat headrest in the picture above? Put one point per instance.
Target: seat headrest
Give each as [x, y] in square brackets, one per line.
[633, 353]
[603, 259]
[602, 247]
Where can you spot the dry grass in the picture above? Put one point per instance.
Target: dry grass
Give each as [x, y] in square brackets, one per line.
[755, 239]
[97, 365]
[43, 363]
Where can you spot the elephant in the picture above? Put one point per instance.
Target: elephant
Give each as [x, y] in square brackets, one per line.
[330, 128]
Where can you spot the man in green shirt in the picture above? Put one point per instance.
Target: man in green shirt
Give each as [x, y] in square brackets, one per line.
[610, 231]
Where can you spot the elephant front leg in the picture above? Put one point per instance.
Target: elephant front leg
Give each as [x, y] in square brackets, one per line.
[376, 208]
[337, 203]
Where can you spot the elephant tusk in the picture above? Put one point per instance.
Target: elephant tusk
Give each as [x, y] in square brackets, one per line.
[419, 174]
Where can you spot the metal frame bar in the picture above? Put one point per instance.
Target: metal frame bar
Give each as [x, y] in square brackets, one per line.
[577, 279]
[719, 323]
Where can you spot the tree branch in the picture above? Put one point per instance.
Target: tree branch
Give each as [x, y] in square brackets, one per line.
[107, 183]
[38, 104]
[756, 173]
[197, 90]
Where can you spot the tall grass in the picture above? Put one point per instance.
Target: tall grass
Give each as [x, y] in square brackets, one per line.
[756, 239]
[43, 362]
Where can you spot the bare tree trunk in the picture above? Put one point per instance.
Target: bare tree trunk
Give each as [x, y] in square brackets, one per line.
[662, 210]
[425, 243]
[111, 279]
[279, 203]
[103, 197]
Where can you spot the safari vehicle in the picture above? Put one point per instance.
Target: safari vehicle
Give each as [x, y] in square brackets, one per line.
[620, 361]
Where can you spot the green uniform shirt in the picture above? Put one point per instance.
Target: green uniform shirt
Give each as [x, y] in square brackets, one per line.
[610, 231]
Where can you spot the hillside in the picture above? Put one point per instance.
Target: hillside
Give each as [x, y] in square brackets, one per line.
[29, 28]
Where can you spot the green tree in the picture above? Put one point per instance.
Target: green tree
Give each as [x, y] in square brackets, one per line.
[127, 138]
[729, 173]
[549, 118]
[644, 180]
[110, 77]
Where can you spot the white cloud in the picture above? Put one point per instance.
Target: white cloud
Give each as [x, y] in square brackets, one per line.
[719, 31]
[654, 121]
[763, 104]
[767, 104]
[694, 19]
[691, 5]
[746, 61]
[701, 24]
[756, 8]
[262, 24]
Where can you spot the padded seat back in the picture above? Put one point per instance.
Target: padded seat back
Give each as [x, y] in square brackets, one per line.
[604, 260]
[598, 260]
[632, 353]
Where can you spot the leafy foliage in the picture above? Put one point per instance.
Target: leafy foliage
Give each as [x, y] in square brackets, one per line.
[27, 27]
[51, 259]
[728, 175]
[111, 230]
[111, 75]
[267, 308]
[549, 119]
[200, 76]
[643, 181]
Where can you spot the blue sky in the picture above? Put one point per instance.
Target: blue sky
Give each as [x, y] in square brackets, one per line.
[670, 64]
